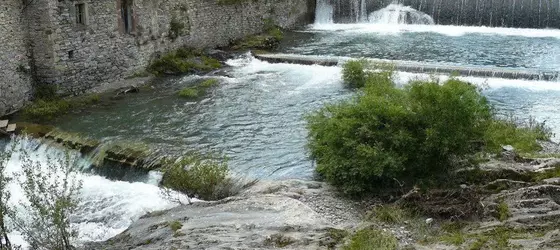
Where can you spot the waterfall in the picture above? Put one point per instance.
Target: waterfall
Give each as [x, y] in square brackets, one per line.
[355, 11]
[324, 12]
[400, 14]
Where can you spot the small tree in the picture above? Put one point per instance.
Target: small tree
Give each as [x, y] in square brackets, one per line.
[51, 188]
[5, 209]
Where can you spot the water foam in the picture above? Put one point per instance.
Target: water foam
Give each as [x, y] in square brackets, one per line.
[396, 14]
[448, 30]
[108, 207]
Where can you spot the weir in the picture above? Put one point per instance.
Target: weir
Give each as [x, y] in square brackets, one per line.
[417, 67]
[493, 13]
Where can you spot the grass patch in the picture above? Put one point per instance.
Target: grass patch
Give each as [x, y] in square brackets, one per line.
[198, 90]
[189, 93]
[503, 211]
[183, 61]
[199, 175]
[372, 239]
[390, 214]
[175, 225]
[333, 237]
[547, 174]
[268, 40]
[49, 109]
[209, 83]
[524, 138]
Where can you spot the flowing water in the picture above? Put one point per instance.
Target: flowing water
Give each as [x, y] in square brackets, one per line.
[256, 115]
[107, 207]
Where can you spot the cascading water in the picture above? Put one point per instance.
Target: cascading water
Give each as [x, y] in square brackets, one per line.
[400, 14]
[355, 11]
[107, 207]
[495, 13]
[324, 12]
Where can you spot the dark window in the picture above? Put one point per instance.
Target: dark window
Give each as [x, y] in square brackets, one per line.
[81, 13]
[126, 13]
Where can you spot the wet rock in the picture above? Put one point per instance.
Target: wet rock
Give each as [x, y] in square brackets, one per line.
[508, 153]
[219, 55]
[291, 214]
[259, 222]
[127, 90]
[530, 207]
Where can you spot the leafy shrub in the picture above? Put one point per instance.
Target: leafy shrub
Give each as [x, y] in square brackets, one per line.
[372, 239]
[354, 73]
[387, 133]
[196, 174]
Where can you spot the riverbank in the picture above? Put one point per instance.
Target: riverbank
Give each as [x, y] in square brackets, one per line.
[297, 214]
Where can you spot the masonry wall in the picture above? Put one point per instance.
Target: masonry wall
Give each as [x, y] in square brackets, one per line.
[15, 78]
[79, 57]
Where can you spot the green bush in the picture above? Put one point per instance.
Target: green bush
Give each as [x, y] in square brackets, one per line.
[372, 239]
[354, 73]
[387, 133]
[199, 175]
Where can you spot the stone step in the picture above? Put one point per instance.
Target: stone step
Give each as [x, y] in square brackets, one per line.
[11, 128]
[3, 123]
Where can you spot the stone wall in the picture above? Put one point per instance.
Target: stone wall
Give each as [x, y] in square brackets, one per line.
[15, 82]
[78, 57]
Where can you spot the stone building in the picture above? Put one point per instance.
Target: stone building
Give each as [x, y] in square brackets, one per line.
[80, 44]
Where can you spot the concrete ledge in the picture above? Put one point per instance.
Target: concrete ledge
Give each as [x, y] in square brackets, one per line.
[418, 67]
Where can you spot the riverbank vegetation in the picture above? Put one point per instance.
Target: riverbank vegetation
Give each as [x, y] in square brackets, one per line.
[268, 40]
[50, 190]
[389, 136]
[204, 176]
[48, 104]
[198, 90]
[183, 61]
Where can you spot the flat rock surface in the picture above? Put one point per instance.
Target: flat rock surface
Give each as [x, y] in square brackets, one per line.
[289, 214]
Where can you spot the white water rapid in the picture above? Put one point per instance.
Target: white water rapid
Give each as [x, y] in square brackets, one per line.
[107, 207]
[394, 14]
[399, 14]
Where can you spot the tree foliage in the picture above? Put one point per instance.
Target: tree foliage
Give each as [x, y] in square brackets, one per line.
[51, 191]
